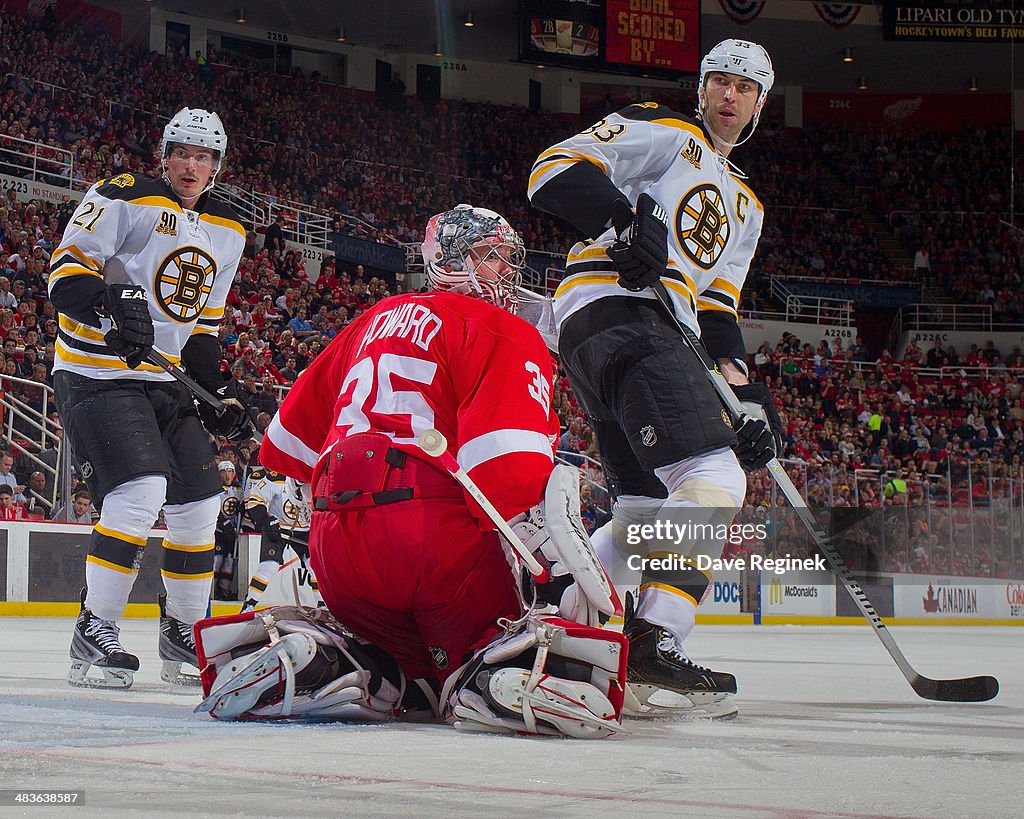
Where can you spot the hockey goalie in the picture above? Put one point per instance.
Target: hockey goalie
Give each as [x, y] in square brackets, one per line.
[426, 612]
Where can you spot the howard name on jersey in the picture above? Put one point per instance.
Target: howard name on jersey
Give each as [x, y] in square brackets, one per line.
[715, 219]
[132, 229]
[438, 360]
[265, 487]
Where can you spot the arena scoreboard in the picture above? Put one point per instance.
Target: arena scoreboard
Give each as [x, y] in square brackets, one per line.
[656, 38]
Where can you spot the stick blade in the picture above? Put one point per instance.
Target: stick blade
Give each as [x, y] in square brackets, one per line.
[968, 689]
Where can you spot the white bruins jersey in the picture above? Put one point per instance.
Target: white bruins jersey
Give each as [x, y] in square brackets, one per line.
[715, 219]
[231, 498]
[131, 229]
[281, 498]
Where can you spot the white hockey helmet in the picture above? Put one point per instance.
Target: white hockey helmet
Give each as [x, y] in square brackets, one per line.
[738, 57]
[196, 126]
[449, 264]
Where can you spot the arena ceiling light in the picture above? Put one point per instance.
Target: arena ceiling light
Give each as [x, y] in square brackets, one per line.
[972, 84]
[862, 83]
[241, 16]
[467, 21]
[340, 36]
[437, 51]
[847, 55]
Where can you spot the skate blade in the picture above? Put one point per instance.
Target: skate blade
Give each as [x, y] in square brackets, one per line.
[118, 678]
[171, 673]
[650, 702]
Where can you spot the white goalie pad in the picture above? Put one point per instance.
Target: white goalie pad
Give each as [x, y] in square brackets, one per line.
[556, 530]
[292, 662]
[550, 677]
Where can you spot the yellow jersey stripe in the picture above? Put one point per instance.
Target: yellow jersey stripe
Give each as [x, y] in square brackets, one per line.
[220, 221]
[589, 253]
[106, 564]
[65, 270]
[670, 589]
[727, 286]
[157, 202]
[672, 122]
[178, 576]
[112, 362]
[707, 304]
[212, 312]
[103, 530]
[76, 251]
[177, 547]
[84, 331]
[585, 278]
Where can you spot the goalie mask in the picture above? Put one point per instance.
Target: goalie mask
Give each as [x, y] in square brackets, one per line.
[745, 59]
[474, 251]
[197, 127]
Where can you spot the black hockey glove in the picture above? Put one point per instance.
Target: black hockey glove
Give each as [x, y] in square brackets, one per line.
[131, 335]
[758, 429]
[640, 253]
[232, 421]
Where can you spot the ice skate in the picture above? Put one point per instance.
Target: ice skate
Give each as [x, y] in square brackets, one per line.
[177, 646]
[663, 681]
[96, 642]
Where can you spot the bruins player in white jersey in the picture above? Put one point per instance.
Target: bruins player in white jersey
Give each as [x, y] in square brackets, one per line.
[656, 192]
[145, 264]
[282, 516]
[225, 536]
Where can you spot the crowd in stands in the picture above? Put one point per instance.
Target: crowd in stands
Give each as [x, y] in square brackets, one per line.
[896, 435]
[946, 198]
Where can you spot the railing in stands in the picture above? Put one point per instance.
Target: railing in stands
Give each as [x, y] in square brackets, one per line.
[28, 160]
[955, 317]
[29, 432]
[814, 309]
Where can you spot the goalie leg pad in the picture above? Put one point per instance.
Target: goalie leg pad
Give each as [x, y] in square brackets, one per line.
[293, 661]
[547, 676]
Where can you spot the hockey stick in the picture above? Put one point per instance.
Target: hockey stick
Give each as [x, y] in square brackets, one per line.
[199, 391]
[193, 386]
[435, 445]
[967, 689]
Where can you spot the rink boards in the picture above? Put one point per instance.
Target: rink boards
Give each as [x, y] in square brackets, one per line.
[42, 571]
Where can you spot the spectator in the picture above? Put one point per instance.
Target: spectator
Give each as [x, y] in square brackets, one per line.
[81, 508]
[10, 509]
[7, 478]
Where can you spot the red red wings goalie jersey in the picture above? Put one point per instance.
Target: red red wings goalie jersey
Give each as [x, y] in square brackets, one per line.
[474, 372]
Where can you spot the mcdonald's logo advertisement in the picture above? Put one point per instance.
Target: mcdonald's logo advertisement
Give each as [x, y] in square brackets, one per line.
[778, 592]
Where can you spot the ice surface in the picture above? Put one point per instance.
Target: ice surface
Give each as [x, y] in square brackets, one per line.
[827, 727]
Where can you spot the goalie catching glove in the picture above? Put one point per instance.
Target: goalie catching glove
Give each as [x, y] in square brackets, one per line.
[554, 533]
[131, 327]
[757, 428]
[640, 253]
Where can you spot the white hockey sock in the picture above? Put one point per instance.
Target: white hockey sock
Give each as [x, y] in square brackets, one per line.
[671, 610]
[108, 590]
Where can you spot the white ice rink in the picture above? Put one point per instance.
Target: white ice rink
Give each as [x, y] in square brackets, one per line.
[827, 727]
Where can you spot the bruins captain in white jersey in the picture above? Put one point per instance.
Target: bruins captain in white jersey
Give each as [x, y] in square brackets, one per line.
[146, 264]
[666, 210]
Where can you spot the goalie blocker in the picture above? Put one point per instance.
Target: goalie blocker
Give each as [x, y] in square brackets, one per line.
[543, 676]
